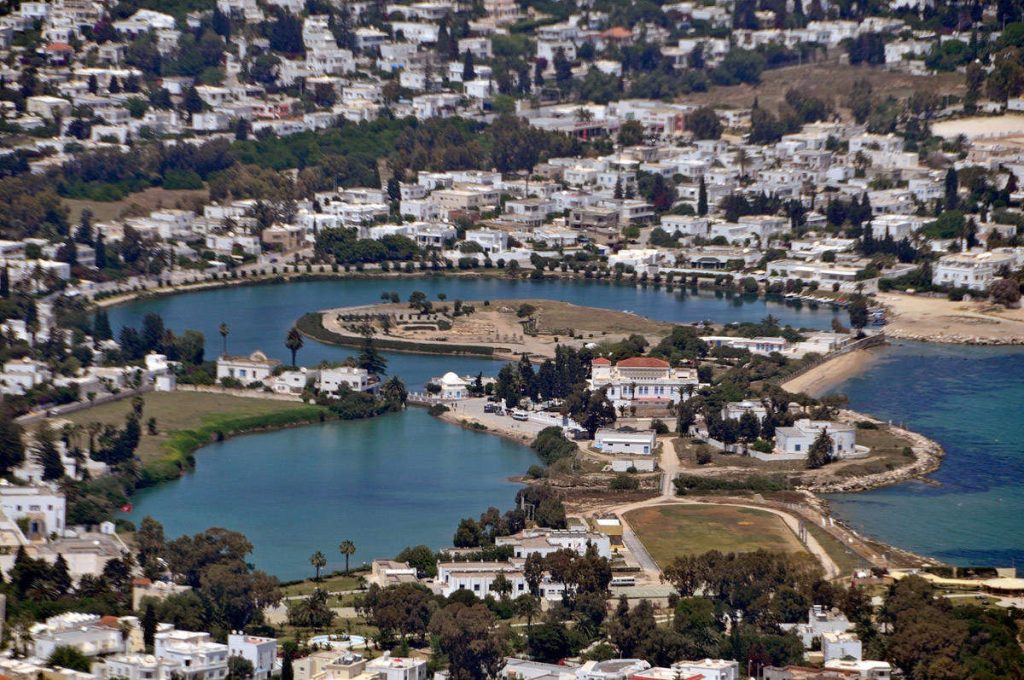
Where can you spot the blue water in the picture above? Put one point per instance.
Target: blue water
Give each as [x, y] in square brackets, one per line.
[970, 400]
[259, 317]
[382, 483]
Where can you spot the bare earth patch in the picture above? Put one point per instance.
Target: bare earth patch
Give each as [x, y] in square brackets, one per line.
[940, 320]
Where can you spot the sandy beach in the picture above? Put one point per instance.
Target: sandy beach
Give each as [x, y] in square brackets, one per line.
[936, 319]
[827, 375]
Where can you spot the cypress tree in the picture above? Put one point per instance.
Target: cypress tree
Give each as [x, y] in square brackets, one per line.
[702, 198]
[101, 252]
[101, 326]
[5, 284]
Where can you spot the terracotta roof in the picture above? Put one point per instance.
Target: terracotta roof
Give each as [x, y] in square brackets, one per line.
[617, 32]
[601, 361]
[60, 47]
[643, 362]
[141, 582]
[109, 621]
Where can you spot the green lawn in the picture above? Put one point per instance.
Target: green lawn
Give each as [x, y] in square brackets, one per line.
[332, 583]
[845, 558]
[179, 411]
[672, 530]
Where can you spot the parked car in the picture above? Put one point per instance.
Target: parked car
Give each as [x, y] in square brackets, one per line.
[520, 415]
[490, 408]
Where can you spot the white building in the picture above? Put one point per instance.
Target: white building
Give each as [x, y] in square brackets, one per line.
[88, 633]
[199, 656]
[839, 646]
[478, 577]
[976, 269]
[819, 622]
[709, 669]
[389, 667]
[356, 379]
[41, 506]
[138, 667]
[544, 541]
[625, 440]
[452, 386]
[642, 381]
[261, 652]
[734, 410]
[797, 440]
[256, 367]
[21, 375]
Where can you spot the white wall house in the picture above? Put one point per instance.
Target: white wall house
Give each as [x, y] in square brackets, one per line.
[332, 379]
[627, 441]
[41, 506]
[256, 367]
[478, 577]
[837, 646]
[200, 657]
[976, 269]
[261, 652]
[794, 442]
[389, 667]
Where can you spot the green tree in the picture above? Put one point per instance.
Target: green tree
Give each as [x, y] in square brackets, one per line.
[702, 198]
[704, 123]
[319, 561]
[348, 549]
[224, 331]
[70, 658]
[631, 133]
[12, 448]
[149, 624]
[466, 635]
[952, 187]
[239, 668]
[294, 342]
[46, 454]
[468, 72]
[820, 453]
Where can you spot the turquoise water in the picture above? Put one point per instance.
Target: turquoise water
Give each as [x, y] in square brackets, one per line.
[970, 400]
[382, 483]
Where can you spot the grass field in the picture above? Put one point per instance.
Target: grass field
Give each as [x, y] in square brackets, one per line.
[179, 411]
[331, 583]
[140, 203]
[673, 530]
[828, 81]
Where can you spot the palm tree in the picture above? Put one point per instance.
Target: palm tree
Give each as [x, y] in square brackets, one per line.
[293, 342]
[224, 331]
[347, 548]
[319, 561]
[93, 428]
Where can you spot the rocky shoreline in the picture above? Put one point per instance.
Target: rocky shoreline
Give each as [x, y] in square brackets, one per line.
[928, 455]
[953, 338]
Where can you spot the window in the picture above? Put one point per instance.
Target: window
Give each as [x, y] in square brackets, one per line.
[796, 447]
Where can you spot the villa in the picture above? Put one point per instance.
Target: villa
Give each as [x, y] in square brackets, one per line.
[642, 381]
[478, 577]
[793, 443]
[544, 541]
[255, 368]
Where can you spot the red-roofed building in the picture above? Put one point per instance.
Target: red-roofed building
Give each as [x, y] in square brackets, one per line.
[642, 381]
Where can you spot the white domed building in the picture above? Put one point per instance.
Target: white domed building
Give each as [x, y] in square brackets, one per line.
[453, 387]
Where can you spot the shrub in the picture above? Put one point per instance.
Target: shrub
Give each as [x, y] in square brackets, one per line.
[624, 482]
